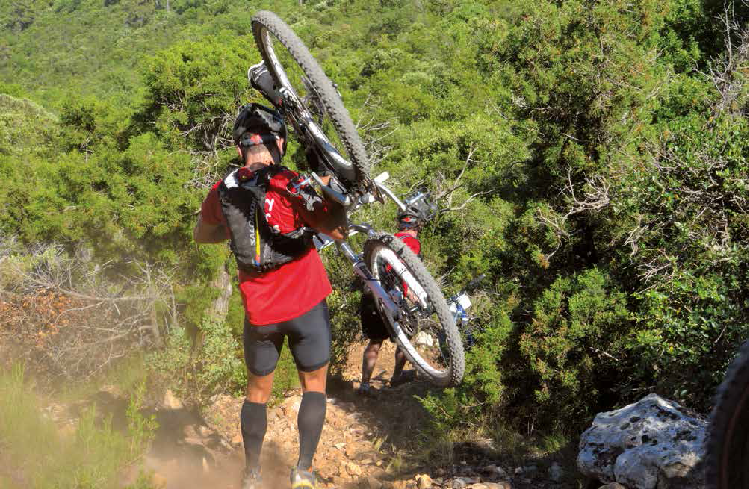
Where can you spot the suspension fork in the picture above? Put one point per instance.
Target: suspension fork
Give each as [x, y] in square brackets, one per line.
[360, 268]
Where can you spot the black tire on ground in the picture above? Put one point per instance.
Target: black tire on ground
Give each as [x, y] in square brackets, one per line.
[267, 26]
[442, 362]
[727, 459]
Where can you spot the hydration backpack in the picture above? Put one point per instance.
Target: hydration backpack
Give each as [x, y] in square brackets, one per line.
[257, 247]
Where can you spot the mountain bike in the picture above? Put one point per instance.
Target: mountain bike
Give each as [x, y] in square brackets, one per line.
[407, 295]
[727, 454]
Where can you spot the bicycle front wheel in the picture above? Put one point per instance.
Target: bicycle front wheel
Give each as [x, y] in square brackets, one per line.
[425, 330]
[294, 68]
[727, 461]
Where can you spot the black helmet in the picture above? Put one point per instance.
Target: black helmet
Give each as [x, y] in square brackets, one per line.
[407, 219]
[257, 119]
[418, 210]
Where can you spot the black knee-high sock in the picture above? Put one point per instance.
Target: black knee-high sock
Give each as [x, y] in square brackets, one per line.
[310, 421]
[254, 420]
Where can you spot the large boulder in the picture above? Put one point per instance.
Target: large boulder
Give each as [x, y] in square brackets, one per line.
[651, 444]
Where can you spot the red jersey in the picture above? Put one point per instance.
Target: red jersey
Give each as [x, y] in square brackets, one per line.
[410, 241]
[286, 292]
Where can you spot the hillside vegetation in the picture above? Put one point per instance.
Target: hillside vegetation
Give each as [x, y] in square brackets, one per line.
[589, 157]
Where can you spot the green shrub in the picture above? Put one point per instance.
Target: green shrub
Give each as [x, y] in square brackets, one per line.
[475, 402]
[577, 336]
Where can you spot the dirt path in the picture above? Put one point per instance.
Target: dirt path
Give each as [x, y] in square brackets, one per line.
[367, 442]
[359, 446]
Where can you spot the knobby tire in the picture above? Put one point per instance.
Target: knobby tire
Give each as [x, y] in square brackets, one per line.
[265, 21]
[453, 374]
[727, 459]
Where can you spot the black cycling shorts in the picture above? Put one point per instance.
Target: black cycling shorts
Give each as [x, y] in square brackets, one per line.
[372, 324]
[309, 340]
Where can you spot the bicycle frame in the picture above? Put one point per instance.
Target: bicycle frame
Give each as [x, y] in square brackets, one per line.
[311, 136]
[360, 268]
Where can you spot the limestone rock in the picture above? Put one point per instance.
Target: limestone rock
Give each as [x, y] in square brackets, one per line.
[495, 471]
[651, 444]
[372, 483]
[425, 482]
[170, 401]
[354, 469]
[458, 483]
[423, 338]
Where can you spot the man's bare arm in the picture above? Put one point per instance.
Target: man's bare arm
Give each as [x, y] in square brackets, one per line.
[328, 218]
[209, 233]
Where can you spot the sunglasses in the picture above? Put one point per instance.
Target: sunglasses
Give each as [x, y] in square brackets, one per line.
[249, 140]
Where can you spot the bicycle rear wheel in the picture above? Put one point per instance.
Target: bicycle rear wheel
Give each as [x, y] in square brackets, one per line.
[294, 68]
[727, 460]
[426, 331]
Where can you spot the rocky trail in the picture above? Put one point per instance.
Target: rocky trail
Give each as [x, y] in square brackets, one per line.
[367, 442]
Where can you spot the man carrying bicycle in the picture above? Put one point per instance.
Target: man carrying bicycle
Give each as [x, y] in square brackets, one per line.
[373, 324]
[266, 211]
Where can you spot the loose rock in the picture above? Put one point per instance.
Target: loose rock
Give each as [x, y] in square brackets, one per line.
[170, 401]
[458, 483]
[424, 481]
[648, 444]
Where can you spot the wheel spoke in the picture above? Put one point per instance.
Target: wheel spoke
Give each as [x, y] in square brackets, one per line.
[419, 327]
[286, 68]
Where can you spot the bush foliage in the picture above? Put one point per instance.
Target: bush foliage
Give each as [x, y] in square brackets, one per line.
[590, 157]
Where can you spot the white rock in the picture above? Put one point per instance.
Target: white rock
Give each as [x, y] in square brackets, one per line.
[651, 444]
[424, 481]
[423, 338]
[458, 483]
[171, 401]
[498, 485]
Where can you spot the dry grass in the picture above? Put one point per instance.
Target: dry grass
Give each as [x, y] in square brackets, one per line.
[37, 454]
